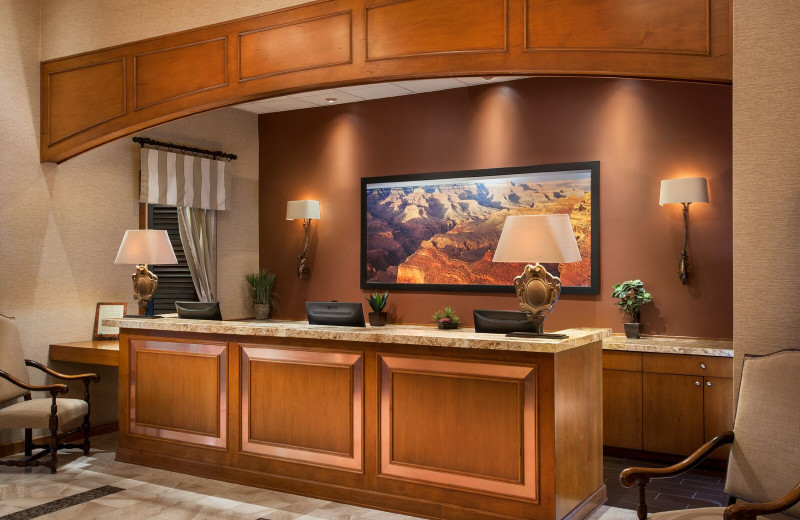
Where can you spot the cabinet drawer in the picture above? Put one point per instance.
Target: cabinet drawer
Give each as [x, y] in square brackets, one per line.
[687, 364]
[630, 361]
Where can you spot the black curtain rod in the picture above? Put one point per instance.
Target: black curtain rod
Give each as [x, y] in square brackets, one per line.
[160, 144]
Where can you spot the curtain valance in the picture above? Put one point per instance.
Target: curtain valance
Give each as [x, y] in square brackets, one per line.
[175, 179]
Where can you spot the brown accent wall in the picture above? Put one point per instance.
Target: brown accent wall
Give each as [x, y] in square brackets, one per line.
[641, 131]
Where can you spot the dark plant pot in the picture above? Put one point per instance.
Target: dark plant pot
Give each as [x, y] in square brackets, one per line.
[633, 330]
[448, 325]
[377, 319]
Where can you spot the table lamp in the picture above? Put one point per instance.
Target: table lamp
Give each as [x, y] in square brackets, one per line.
[141, 247]
[540, 239]
[684, 191]
[305, 210]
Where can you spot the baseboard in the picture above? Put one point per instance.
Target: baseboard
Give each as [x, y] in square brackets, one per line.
[19, 447]
[585, 508]
[372, 499]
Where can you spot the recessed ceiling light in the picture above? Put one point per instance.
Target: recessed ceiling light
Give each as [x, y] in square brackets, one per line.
[331, 100]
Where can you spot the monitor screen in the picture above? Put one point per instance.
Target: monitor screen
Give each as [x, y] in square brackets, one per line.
[347, 314]
[198, 310]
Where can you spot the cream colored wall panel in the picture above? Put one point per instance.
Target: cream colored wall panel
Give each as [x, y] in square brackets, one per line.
[61, 225]
[766, 177]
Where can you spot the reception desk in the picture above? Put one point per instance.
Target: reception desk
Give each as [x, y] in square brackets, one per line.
[417, 420]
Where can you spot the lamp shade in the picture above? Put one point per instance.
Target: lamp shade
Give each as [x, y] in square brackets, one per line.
[302, 209]
[146, 246]
[547, 239]
[692, 189]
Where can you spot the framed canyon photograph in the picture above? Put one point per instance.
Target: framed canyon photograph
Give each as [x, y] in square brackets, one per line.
[438, 231]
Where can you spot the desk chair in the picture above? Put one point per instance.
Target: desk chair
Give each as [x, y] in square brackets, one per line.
[63, 417]
[764, 463]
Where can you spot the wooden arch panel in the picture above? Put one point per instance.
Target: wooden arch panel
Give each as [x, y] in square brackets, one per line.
[95, 97]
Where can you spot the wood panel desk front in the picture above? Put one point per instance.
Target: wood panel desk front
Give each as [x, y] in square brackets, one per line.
[448, 425]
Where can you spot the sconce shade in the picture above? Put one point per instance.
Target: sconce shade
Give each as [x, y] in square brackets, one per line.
[146, 247]
[302, 209]
[547, 239]
[693, 189]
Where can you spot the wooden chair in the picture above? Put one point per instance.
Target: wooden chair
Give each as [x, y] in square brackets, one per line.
[63, 417]
[764, 463]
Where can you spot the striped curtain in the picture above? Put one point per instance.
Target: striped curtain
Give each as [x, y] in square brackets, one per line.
[175, 179]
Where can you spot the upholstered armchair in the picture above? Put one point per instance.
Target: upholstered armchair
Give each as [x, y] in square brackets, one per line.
[63, 417]
[764, 463]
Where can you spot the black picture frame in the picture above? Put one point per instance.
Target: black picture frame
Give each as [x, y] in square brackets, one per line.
[592, 166]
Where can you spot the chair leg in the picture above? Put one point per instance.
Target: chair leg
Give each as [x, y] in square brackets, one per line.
[28, 442]
[86, 428]
[53, 462]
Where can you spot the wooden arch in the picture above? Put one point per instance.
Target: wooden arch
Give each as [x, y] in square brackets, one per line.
[95, 97]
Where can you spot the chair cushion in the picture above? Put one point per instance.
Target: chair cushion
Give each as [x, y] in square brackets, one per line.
[765, 457]
[36, 414]
[705, 513]
[12, 360]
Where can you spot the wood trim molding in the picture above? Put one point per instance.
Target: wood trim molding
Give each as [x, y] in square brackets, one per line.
[215, 351]
[354, 460]
[138, 57]
[402, 40]
[349, 59]
[704, 51]
[94, 123]
[525, 486]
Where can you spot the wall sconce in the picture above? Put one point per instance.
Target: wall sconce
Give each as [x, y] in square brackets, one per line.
[537, 238]
[305, 210]
[684, 191]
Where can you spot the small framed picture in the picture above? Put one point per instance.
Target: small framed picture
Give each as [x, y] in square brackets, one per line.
[107, 310]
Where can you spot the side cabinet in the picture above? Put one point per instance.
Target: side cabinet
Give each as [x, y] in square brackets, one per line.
[666, 403]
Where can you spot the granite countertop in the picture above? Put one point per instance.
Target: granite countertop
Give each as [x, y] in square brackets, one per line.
[664, 345]
[398, 334]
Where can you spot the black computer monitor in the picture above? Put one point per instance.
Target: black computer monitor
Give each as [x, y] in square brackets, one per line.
[198, 310]
[346, 314]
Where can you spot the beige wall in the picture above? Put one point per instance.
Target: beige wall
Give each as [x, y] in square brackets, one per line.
[85, 25]
[766, 177]
[60, 225]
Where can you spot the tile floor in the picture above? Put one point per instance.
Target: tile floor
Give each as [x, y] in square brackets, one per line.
[696, 488]
[136, 492]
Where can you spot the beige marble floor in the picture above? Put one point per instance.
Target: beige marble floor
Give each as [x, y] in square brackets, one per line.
[164, 495]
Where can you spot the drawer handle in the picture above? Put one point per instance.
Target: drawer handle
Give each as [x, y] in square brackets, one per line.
[708, 383]
[703, 366]
[697, 383]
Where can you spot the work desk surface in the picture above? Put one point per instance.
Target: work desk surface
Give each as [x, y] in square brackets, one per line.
[390, 334]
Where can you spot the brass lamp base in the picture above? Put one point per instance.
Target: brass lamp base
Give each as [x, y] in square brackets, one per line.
[145, 284]
[538, 292]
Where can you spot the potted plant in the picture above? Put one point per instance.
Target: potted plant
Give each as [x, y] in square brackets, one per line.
[446, 318]
[261, 284]
[377, 301]
[632, 295]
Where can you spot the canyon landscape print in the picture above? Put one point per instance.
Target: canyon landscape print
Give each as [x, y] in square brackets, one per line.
[444, 231]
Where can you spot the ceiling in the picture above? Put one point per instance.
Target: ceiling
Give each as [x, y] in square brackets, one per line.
[343, 95]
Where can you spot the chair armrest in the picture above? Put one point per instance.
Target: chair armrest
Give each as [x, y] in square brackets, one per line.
[88, 376]
[631, 476]
[751, 511]
[57, 388]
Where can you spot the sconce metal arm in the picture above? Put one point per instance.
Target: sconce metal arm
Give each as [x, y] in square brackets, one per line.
[683, 266]
[303, 272]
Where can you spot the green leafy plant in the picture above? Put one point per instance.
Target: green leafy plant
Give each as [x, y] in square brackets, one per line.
[378, 301]
[446, 315]
[261, 284]
[632, 296]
